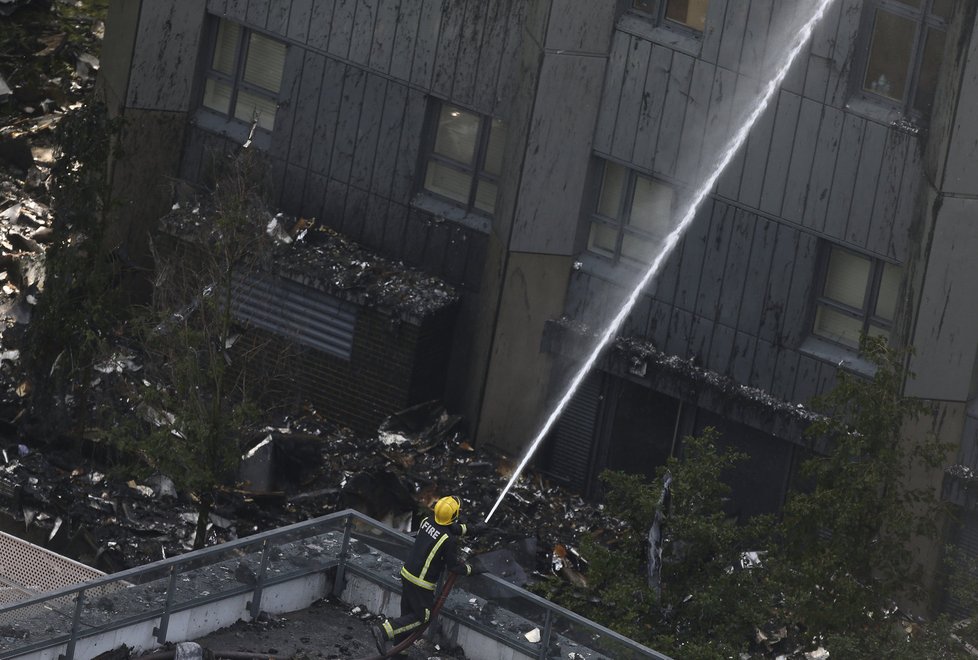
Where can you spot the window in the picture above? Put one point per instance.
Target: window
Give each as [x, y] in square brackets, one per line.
[465, 158]
[903, 52]
[244, 75]
[633, 215]
[688, 13]
[858, 296]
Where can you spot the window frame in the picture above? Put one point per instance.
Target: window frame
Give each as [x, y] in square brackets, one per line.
[621, 224]
[867, 313]
[923, 20]
[476, 170]
[661, 19]
[236, 81]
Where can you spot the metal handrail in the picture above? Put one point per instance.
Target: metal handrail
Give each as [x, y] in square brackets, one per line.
[262, 542]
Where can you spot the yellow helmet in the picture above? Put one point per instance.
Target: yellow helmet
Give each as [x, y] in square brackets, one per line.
[446, 510]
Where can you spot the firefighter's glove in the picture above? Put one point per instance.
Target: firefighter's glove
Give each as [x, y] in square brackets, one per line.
[478, 567]
[477, 528]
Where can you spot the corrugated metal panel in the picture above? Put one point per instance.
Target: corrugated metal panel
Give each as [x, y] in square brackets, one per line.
[305, 315]
[570, 455]
[966, 540]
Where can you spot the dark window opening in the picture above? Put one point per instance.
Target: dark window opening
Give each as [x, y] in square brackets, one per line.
[465, 159]
[904, 45]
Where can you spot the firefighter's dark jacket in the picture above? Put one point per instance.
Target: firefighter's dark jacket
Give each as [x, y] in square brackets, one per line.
[434, 549]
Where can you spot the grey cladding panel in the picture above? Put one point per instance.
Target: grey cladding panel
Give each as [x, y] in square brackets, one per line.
[755, 36]
[237, 10]
[742, 357]
[163, 70]
[511, 74]
[426, 44]
[797, 303]
[580, 26]
[407, 154]
[453, 17]
[653, 99]
[467, 70]
[718, 130]
[802, 155]
[867, 175]
[778, 283]
[843, 51]
[611, 98]
[555, 167]
[693, 257]
[321, 23]
[732, 36]
[844, 178]
[715, 15]
[762, 248]
[341, 27]
[735, 267]
[779, 155]
[368, 130]
[361, 38]
[694, 123]
[888, 191]
[306, 108]
[907, 207]
[670, 132]
[347, 125]
[327, 116]
[390, 135]
[756, 156]
[714, 260]
[823, 168]
[299, 16]
[632, 99]
[405, 34]
[385, 34]
[491, 54]
[278, 16]
[765, 363]
[258, 12]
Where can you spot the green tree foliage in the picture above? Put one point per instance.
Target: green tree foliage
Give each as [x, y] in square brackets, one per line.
[849, 537]
[79, 304]
[199, 396]
[832, 567]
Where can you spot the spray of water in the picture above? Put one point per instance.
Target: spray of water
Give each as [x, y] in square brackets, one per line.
[733, 146]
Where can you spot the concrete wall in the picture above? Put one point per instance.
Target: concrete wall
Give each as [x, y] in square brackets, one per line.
[946, 324]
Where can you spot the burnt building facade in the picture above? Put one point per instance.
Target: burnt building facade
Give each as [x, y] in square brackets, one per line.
[532, 153]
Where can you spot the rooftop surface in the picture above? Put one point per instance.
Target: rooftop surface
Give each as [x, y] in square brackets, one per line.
[327, 629]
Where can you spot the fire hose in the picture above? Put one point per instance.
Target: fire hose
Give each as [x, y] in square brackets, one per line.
[410, 639]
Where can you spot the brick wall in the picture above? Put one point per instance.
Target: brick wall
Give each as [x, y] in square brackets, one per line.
[394, 364]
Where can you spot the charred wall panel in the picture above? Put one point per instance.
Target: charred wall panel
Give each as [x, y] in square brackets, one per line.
[164, 61]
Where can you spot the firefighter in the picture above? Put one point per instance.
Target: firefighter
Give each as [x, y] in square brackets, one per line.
[434, 549]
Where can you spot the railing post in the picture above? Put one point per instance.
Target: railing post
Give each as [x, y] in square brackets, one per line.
[340, 582]
[69, 653]
[255, 605]
[171, 587]
[548, 626]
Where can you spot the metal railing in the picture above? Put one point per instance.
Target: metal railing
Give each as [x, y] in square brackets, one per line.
[347, 541]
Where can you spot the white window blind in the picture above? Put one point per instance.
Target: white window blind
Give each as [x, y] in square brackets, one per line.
[264, 63]
[846, 279]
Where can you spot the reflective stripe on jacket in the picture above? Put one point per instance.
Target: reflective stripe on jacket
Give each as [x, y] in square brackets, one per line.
[434, 548]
